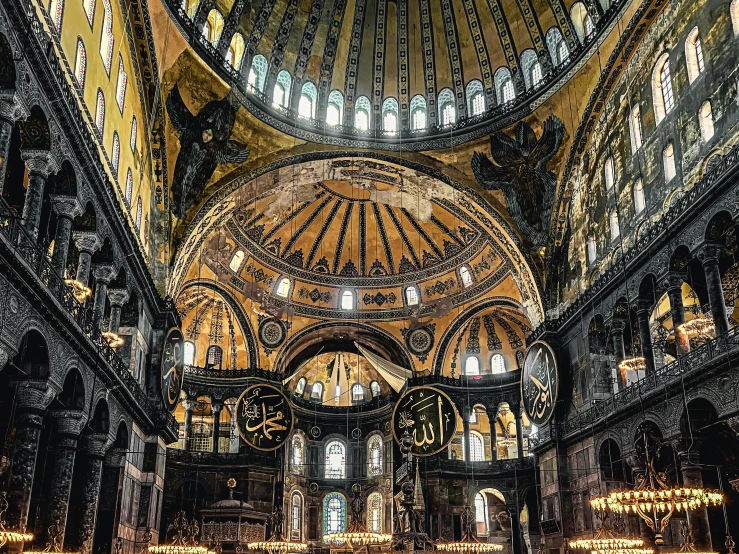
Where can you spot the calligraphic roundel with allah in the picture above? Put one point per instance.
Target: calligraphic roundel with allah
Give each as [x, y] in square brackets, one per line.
[539, 383]
[428, 416]
[264, 417]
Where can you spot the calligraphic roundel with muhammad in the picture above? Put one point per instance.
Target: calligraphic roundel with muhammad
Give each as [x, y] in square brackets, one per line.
[264, 417]
[539, 383]
[428, 416]
[173, 368]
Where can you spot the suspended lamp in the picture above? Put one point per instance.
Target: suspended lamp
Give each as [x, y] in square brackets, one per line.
[184, 540]
[114, 339]
[469, 543]
[357, 534]
[80, 291]
[8, 537]
[699, 327]
[634, 363]
[277, 544]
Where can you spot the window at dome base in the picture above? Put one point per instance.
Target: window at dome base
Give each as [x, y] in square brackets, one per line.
[335, 460]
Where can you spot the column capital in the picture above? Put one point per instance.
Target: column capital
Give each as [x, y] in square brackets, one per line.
[66, 206]
[118, 297]
[216, 406]
[115, 457]
[34, 395]
[12, 106]
[94, 444]
[618, 325]
[86, 241]
[189, 403]
[104, 272]
[69, 422]
[643, 306]
[709, 252]
[41, 162]
[673, 280]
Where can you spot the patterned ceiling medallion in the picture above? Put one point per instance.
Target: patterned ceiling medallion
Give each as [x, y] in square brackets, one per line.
[419, 341]
[272, 333]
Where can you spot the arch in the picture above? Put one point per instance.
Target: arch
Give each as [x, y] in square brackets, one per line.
[465, 275]
[188, 352]
[281, 93]
[335, 109]
[640, 202]
[635, 133]
[87, 221]
[284, 285]
[375, 389]
[472, 366]
[235, 52]
[531, 67]
[190, 7]
[347, 300]
[374, 512]
[89, 6]
[475, 98]
[390, 116]
[505, 90]
[258, 72]
[33, 356]
[557, 46]
[497, 364]
[335, 460]
[411, 295]
[591, 248]
[100, 112]
[419, 112]
[316, 391]
[357, 392]
[582, 21]
[107, 39]
[72, 396]
[213, 27]
[307, 102]
[334, 513]
[134, 133]
[481, 515]
[694, 55]
[297, 457]
[296, 515]
[120, 88]
[476, 447]
[80, 63]
[447, 108]
[362, 109]
[139, 211]
[115, 153]
[121, 436]
[374, 455]
[696, 416]
[668, 162]
[705, 121]
[300, 387]
[214, 357]
[56, 12]
[613, 224]
[101, 418]
[129, 187]
[609, 173]
[662, 95]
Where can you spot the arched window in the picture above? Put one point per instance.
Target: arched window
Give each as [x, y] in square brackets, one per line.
[694, 55]
[664, 101]
[481, 514]
[362, 113]
[705, 120]
[282, 89]
[80, 63]
[582, 21]
[190, 7]
[734, 9]
[334, 513]
[235, 54]
[56, 11]
[298, 449]
[134, 133]
[497, 363]
[635, 128]
[592, 250]
[504, 88]
[374, 455]
[335, 460]
[466, 276]
[106, 38]
[214, 357]
[300, 387]
[447, 110]
[115, 153]
[283, 288]
[477, 448]
[213, 27]
[613, 220]
[609, 175]
[418, 112]
[390, 116]
[316, 391]
[296, 508]
[532, 74]
[411, 295]
[475, 98]
[375, 389]
[120, 89]
[139, 210]
[347, 300]
[374, 512]
[307, 103]
[472, 366]
[188, 353]
[201, 439]
[357, 392]
[557, 46]
[668, 162]
[258, 72]
[237, 260]
[335, 109]
[640, 203]
[129, 186]
[89, 6]
[100, 113]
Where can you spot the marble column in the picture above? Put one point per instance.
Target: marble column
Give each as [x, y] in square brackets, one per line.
[93, 447]
[643, 310]
[117, 297]
[40, 164]
[519, 432]
[104, 274]
[60, 465]
[698, 518]
[216, 407]
[66, 209]
[674, 285]
[617, 333]
[108, 514]
[11, 110]
[30, 403]
[466, 414]
[516, 539]
[87, 243]
[492, 418]
[188, 404]
[709, 257]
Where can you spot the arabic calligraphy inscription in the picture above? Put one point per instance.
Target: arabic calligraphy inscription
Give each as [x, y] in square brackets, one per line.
[264, 417]
[429, 416]
[539, 383]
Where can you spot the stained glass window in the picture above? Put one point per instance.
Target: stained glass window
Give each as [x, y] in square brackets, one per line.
[80, 63]
[335, 460]
[120, 90]
[139, 209]
[134, 132]
[334, 513]
[100, 112]
[115, 154]
[297, 511]
[129, 187]
[374, 455]
[374, 512]
[107, 39]
[89, 6]
[298, 453]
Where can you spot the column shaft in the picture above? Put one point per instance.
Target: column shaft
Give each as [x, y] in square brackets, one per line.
[677, 310]
[62, 468]
[515, 532]
[61, 244]
[619, 348]
[466, 426]
[32, 206]
[6, 129]
[519, 434]
[189, 405]
[645, 334]
[89, 508]
[28, 430]
[98, 308]
[716, 295]
[216, 426]
[698, 517]
[493, 436]
[83, 267]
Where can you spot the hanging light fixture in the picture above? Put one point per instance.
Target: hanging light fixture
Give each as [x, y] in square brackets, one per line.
[652, 498]
[634, 363]
[184, 540]
[9, 537]
[114, 339]
[277, 544]
[699, 327]
[469, 543]
[357, 533]
[605, 540]
[80, 291]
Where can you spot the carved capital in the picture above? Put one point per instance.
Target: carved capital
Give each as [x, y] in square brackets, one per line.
[118, 297]
[618, 325]
[12, 106]
[69, 422]
[643, 306]
[86, 241]
[95, 444]
[115, 457]
[673, 280]
[40, 162]
[709, 252]
[189, 404]
[66, 206]
[104, 273]
[34, 395]
[216, 407]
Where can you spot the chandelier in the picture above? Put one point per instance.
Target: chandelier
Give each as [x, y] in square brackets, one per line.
[469, 543]
[699, 327]
[184, 540]
[276, 544]
[114, 339]
[5, 535]
[357, 534]
[80, 291]
[652, 498]
[634, 363]
[53, 545]
[605, 540]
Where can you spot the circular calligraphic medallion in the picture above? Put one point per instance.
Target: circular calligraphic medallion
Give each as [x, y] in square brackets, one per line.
[272, 332]
[539, 383]
[420, 341]
[264, 417]
[429, 416]
[173, 368]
